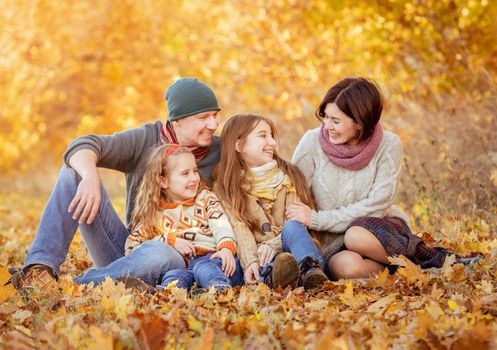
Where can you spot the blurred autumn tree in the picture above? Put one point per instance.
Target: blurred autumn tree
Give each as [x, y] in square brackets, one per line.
[74, 67]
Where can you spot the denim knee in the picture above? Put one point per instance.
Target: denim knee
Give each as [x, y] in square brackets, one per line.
[68, 177]
[159, 253]
[184, 278]
[291, 229]
[206, 263]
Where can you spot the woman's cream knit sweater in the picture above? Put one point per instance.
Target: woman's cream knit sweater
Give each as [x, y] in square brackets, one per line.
[343, 195]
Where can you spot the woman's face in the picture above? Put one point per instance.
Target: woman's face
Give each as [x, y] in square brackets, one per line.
[342, 130]
[259, 146]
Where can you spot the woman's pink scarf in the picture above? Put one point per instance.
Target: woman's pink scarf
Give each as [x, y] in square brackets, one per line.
[352, 157]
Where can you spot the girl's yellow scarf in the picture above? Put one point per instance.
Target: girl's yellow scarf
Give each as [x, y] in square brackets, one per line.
[266, 180]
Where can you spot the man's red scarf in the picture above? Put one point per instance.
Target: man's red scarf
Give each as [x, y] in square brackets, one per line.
[168, 136]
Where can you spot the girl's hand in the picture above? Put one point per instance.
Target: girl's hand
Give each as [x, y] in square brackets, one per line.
[227, 259]
[251, 274]
[266, 254]
[184, 247]
[300, 212]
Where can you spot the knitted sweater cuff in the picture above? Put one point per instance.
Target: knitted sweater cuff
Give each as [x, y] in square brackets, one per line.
[171, 239]
[69, 154]
[229, 245]
[247, 261]
[314, 220]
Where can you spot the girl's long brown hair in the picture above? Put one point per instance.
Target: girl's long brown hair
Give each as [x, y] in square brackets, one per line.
[146, 212]
[231, 167]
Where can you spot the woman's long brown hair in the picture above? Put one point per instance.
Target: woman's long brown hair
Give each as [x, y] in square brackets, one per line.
[229, 184]
[146, 212]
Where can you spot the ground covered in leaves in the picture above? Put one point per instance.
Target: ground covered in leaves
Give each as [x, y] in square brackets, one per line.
[452, 307]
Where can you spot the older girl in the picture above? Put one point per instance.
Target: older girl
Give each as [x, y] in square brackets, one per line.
[256, 186]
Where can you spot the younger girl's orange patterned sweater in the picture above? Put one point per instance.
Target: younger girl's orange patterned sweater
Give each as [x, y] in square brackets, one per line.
[201, 221]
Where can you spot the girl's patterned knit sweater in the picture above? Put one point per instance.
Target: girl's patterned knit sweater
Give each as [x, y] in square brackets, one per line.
[201, 221]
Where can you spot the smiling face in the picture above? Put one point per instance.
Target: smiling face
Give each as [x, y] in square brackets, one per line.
[182, 180]
[342, 130]
[196, 130]
[258, 147]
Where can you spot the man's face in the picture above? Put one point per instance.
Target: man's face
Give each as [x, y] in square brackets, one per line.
[197, 130]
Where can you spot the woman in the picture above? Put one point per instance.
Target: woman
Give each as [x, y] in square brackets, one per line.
[353, 167]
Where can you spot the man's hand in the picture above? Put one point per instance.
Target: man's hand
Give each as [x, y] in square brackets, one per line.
[300, 212]
[184, 247]
[227, 259]
[86, 202]
[251, 274]
[265, 254]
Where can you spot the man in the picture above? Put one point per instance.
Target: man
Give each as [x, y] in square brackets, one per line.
[79, 199]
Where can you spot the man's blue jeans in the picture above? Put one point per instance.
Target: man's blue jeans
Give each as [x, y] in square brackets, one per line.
[205, 272]
[104, 238]
[297, 241]
[149, 262]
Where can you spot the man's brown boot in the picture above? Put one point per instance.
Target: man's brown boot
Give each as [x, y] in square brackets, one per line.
[33, 277]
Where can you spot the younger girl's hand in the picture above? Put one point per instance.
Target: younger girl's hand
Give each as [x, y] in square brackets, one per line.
[227, 259]
[184, 247]
[265, 254]
[251, 274]
[300, 212]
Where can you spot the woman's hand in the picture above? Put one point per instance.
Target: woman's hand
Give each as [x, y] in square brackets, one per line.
[300, 212]
[184, 247]
[251, 274]
[265, 254]
[227, 259]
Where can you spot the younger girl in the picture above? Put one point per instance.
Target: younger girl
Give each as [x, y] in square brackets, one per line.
[256, 186]
[170, 211]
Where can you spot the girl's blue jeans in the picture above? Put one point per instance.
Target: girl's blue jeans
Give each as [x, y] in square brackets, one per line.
[205, 272]
[297, 241]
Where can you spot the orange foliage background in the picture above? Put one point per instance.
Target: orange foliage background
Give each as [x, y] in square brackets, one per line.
[79, 66]
[74, 67]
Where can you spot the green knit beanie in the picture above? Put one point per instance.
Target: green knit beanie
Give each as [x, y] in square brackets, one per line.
[189, 96]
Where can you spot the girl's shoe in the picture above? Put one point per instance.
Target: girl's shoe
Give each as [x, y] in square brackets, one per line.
[284, 273]
[311, 274]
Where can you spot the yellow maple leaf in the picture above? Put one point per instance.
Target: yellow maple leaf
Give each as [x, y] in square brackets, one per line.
[451, 271]
[195, 324]
[7, 291]
[411, 272]
[381, 305]
[350, 299]
[434, 310]
[317, 305]
[436, 292]
[107, 304]
[452, 304]
[124, 306]
[486, 287]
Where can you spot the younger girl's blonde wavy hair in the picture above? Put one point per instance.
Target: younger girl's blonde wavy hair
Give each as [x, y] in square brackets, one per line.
[146, 213]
